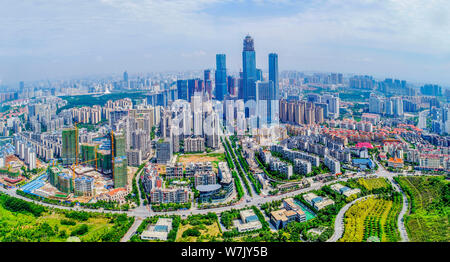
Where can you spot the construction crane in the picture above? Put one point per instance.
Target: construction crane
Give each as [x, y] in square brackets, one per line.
[76, 153]
[112, 153]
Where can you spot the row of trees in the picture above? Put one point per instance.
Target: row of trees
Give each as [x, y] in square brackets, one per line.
[241, 173]
[256, 184]
[237, 182]
[18, 205]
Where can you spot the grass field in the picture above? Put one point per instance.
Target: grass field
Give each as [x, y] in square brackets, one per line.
[428, 220]
[373, 217]
[54, 226]
[199, 228]
[373, 183]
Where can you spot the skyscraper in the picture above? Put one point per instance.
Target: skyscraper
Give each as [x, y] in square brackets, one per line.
[221, 77]
[125, 76]
[182, 89]
[249, 69]
[273, 73]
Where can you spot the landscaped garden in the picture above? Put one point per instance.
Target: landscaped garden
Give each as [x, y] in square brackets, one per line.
[373, 219]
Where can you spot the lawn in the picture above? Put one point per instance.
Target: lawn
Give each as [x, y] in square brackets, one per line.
[429, 208]
[53, 225]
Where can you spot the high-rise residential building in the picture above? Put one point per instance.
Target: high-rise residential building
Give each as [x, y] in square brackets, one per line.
[69, 146]
[198, 123]
[120, 163]
[164, 151]
[120, 171]
[375, 104]
[266, 101]
[120, 145]
[397, 103]
[249, 69]
[333, 104]
[273, 73]
[197, 103]
[431, 90]
[389, 107]
[182, 88]
[221, 77]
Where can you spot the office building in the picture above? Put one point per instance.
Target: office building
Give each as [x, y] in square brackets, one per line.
[221, 77]
[249, 69]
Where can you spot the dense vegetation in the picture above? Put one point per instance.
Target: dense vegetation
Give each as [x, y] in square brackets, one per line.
[373, 217]
[170, 206]
[240, 172]
[89, 100]
[429, 199]
[107, 205]
[199, 228]
[22, 221]
[256, 184]
[237, 181]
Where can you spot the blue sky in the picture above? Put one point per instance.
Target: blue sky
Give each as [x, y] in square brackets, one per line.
[48, 39]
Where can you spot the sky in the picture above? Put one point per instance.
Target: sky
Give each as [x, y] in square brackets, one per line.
[56, 39]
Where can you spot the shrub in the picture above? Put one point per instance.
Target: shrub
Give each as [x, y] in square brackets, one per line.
[68, 222]
[194, 232]
[80, 230]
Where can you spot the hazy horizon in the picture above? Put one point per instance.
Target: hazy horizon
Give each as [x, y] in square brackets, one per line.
[50, 39]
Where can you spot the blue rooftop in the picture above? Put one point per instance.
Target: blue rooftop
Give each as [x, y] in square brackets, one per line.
[317, 199]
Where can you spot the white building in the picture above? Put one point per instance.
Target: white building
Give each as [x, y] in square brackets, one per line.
[159, 231]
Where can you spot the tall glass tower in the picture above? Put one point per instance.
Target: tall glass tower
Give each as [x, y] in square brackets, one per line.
[273, 73]
[249, 69]
[221, 77]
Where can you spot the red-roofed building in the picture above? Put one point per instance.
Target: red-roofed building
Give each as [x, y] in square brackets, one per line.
[364, 144]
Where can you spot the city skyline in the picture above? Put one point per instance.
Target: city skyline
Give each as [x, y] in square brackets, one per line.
[381, 38]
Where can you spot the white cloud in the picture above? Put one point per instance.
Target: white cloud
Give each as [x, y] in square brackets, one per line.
[194, 54]
[349, 35]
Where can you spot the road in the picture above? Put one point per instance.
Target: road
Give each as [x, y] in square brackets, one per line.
[339, 221]
[137, 222]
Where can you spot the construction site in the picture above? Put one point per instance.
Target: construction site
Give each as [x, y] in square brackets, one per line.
[87, 171]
